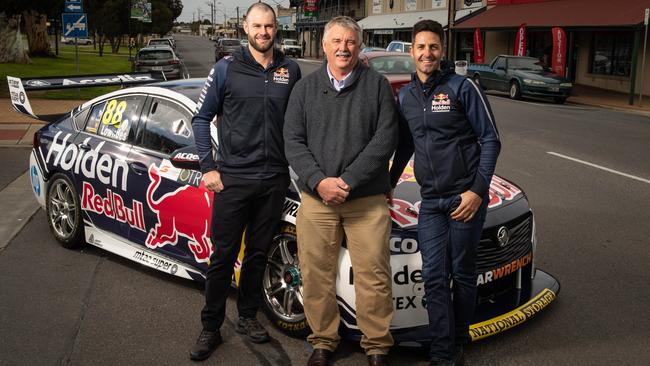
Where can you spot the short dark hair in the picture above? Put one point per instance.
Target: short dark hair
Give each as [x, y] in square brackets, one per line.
[428, 25]
[261, 6]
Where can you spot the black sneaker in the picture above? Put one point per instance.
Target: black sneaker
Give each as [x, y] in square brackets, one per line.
[252, 329]
[205, 345]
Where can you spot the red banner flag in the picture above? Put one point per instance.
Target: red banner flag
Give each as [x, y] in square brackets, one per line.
[520, 41]
[479, 56]
[558, 58]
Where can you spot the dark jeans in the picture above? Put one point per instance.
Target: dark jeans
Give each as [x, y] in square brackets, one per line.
[448, 250]
[254, 205]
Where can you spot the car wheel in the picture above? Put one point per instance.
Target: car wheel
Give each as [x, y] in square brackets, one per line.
[559, 100]
[63, 212]
[515, 90]
[282, 284]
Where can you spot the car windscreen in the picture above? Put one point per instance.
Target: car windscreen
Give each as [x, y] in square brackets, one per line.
[155, 42]
[290, 43]
[230, 42]
[155, 55]
[392, 64]
[531, 64]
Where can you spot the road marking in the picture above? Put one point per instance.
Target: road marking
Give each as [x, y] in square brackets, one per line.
[600, 167]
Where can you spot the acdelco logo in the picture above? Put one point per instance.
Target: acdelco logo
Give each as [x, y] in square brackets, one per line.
[403, 245]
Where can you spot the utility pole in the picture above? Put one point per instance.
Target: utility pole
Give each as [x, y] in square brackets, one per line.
[238, 22]
[450, 21]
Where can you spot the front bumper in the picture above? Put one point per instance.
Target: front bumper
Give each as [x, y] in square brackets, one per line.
[544, 289]
[545, 91]
[498, 315]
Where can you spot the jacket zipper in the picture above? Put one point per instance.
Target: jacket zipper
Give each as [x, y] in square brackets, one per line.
[426, 139]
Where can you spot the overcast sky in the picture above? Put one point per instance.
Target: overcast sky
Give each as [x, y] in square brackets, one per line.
[191, 6]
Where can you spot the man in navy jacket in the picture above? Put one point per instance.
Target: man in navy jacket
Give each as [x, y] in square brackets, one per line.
[446, 119]
[248, 92]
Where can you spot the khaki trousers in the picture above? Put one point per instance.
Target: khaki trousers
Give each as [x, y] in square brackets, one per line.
[366, 224]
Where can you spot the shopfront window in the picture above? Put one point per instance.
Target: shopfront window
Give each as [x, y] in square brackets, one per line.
[611, 53]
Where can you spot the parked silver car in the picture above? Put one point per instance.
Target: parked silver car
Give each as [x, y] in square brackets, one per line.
[162, 59]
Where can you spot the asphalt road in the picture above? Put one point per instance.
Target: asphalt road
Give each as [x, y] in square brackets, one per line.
[60, 306]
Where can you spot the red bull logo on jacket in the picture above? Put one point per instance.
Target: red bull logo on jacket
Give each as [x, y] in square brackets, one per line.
[185, 212]
[440, 103]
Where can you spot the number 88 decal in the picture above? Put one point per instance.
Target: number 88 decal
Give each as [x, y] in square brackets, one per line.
[113, 113]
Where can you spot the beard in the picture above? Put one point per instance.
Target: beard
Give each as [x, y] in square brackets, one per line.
[257, 46]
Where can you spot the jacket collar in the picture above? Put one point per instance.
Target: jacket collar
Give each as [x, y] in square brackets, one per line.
[353, 77]
[244, 54]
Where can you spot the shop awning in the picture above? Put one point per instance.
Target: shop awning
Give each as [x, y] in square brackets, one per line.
[560, 13]
[402, 20]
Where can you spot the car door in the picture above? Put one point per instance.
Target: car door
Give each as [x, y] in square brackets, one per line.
[500, 77]
[103, 177]
[177, 207]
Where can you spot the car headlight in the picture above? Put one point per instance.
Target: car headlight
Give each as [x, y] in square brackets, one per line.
[566, 85]
[533, 82]
[533, 240]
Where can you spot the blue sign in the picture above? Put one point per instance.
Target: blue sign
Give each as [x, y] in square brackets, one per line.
[72, 6]
[75, 25]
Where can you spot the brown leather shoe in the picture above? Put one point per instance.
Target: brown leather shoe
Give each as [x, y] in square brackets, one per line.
[378, 360]
[320, 357]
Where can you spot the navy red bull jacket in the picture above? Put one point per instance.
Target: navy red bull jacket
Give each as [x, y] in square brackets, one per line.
[250, 103]
[450, 126]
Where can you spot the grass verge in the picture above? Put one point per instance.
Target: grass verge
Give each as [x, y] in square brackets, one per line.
[64, 64]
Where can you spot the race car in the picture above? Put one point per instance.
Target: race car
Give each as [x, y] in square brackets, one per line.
[120, 172]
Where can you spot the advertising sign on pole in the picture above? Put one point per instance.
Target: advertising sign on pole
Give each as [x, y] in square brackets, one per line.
[520, 41]
[479, 55]
[558, 62]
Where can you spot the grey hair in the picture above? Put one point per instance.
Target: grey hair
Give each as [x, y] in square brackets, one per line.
[345, 22]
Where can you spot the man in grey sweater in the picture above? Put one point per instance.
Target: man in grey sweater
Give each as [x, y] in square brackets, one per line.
[340, 131]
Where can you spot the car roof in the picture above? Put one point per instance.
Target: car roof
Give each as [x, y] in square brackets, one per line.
[156, 47]
[191, 88]
[373, 54]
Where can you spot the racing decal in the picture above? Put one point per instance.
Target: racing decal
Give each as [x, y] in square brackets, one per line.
[36, 179]
[281, 75]
[112, 206]
[407, 288]
[513, 318]
[91, 164]
[18, 97]
[501, 190]
[440, 103]
[137, 253]
[404, 213]
[182, 176]
[400, 245]
[290, 210]
[504, 270]
[187, 212]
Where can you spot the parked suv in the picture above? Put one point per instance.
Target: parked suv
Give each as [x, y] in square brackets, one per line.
[225, 47]
[290, 47]
[399, 46]
[159, 58]
[161, 42]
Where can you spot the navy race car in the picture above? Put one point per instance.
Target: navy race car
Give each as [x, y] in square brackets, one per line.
[120, 172]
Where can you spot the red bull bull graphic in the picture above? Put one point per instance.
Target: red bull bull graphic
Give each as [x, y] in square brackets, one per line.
[404, 213]
[112, 206]
[185, 212]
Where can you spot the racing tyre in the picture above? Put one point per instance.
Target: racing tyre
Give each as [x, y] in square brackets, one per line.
[64, 212]
[559, 100]
[282, 284]
[515, 90]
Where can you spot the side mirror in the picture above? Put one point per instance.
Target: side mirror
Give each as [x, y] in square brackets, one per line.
[185, 158]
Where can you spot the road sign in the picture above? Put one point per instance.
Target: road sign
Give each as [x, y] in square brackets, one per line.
[73, 6]
[75, 25]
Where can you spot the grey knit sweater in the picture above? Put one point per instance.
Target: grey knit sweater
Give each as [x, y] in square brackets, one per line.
[349, 134]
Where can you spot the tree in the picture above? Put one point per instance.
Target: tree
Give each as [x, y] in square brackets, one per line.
[34, 13]
[11, 40]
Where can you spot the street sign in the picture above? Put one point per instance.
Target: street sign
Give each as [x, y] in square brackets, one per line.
[647, 15]
[73, 6]
[75, 25]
